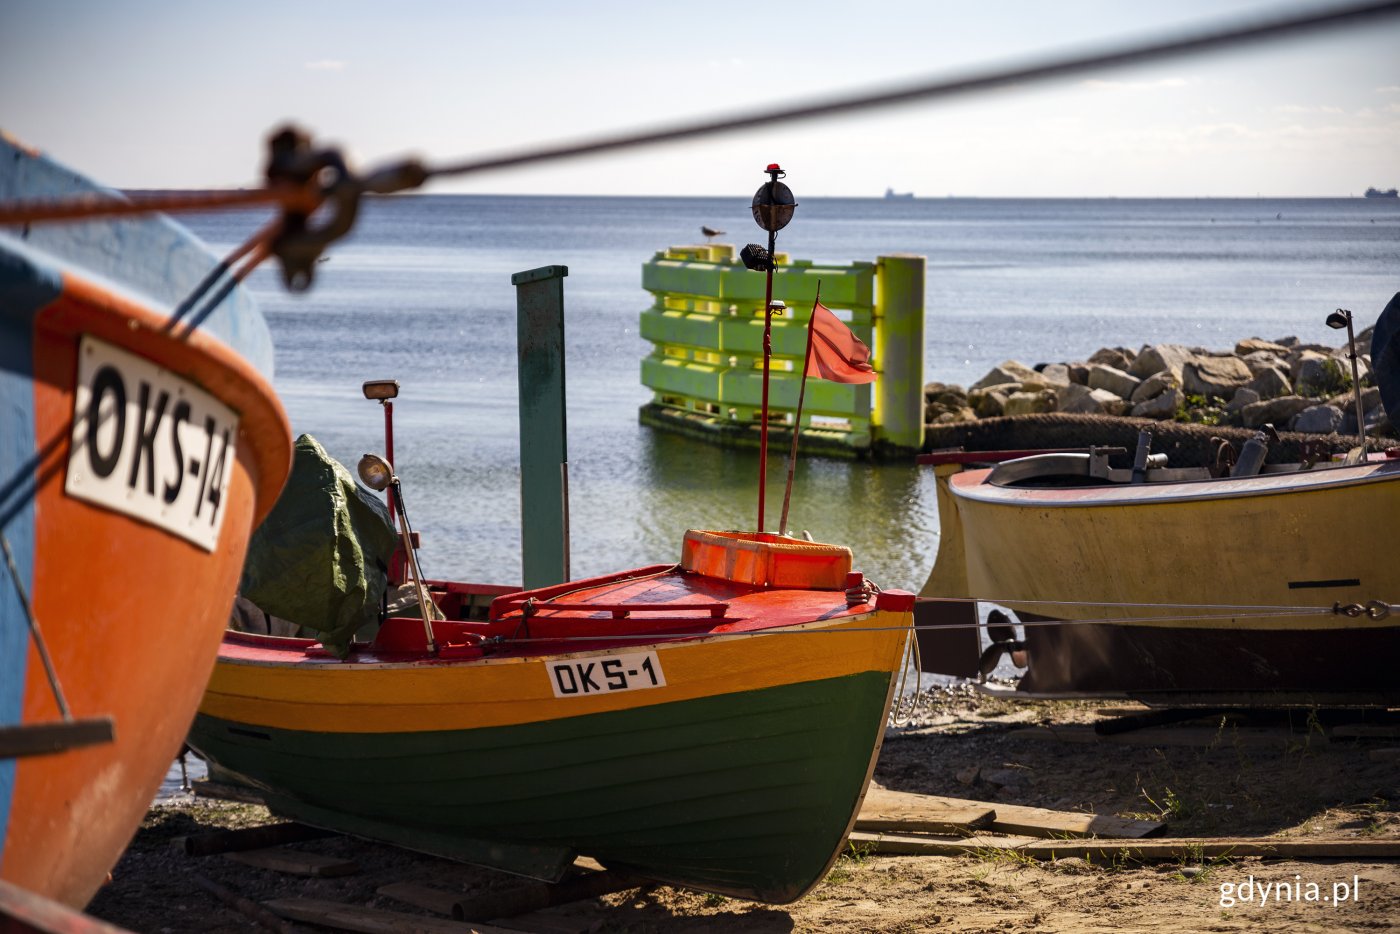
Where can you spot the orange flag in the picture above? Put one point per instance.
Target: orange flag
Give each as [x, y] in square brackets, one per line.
[835, 353]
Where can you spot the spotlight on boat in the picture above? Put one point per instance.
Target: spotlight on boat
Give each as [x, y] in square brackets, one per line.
[381, 389]
[375, 472]
[756, 258]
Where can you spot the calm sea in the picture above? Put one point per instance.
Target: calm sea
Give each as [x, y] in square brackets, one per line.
[421, 293]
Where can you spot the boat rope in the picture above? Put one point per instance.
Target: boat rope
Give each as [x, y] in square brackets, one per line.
[1012, 602]
[911, 657]
[652, 636]
[407, 175]
[34, 631]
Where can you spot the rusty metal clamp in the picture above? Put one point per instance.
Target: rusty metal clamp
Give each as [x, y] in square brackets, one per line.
[298, 244]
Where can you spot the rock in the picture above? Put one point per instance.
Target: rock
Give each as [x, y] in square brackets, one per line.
[1117, 357]
[1077, 398]
[1161, 406]
[989, 402]
[1318, 420]
[1270, 383]
[1030, 403]
[1102, 376]
[1289, 342]
[1071, 864]
[968, 776]
[1260, 360]
[1006, 777]
[1155, 358]
[1318, 374]
[1278, 411]
[1010, 371]
[1363, 341]
[1243, 396]
[1078, 373]
[1155, 385]
[935, 389]
[1056, 374]
[1254, 344]
[1346, 401]
[963, 414]
[1214, 377]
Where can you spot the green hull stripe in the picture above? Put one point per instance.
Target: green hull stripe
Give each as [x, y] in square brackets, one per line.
[748, 794]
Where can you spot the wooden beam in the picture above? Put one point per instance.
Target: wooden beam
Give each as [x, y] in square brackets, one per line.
[372, 920]
[247, 838]
[296, 862]
[892, 810]
[1177, 848]
[1006, 818]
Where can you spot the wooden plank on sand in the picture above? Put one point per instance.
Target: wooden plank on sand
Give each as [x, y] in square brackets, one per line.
[1007, 818]
[1135, 850]
[372, 920]
[296, 862]
[893, 810]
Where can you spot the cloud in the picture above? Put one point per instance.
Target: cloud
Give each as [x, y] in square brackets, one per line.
[1389, 89]
[1101, 84]
[1307, 109]
[325, 64]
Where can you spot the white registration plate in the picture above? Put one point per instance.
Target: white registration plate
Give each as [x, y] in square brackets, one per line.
[605, 674]
[149, 444]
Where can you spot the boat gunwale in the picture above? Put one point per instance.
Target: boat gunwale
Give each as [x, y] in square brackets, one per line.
[294, 649]
[972, 485]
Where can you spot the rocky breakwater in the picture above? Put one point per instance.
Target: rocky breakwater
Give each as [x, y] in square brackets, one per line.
[1286, 383]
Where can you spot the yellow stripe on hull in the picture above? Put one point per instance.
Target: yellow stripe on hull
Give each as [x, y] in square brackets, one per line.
[325, 695]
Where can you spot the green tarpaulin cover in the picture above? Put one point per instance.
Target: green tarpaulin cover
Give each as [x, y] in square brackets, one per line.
[319, 558]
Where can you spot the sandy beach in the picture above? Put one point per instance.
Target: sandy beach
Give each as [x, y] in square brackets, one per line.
[1291, 777]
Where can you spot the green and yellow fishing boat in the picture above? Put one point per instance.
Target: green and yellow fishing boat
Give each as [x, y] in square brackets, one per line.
[710, 724]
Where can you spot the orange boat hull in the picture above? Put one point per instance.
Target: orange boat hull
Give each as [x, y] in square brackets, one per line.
[131, 615]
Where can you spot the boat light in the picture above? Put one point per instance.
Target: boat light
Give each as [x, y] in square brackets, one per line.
[381, 389]
[375, 472]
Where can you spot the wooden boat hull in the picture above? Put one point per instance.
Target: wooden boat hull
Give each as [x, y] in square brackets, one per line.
[741, 774]
[130, 613]
[1105, 576]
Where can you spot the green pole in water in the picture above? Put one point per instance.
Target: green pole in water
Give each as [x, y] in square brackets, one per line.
[544, 456]
[899, 350]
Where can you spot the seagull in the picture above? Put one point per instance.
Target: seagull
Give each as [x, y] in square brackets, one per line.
[710, 233]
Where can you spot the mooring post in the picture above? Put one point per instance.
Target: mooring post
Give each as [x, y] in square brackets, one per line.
[899, 348]
[544, 456]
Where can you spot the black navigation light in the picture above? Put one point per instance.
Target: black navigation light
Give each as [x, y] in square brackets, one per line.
[756, 258]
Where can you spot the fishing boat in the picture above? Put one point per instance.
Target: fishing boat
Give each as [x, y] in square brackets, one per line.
[140, 442]
[1249, 583]
[1266, 589]
[711, 724]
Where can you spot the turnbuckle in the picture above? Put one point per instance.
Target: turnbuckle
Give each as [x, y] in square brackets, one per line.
[1373, 610]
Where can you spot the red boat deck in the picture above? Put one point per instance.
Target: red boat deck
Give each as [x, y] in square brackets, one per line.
[658, 603]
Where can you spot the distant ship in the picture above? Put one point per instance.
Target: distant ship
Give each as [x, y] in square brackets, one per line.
[890, 193]
[1370, 193]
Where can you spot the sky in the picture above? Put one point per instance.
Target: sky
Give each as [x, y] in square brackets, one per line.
[167, 94]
